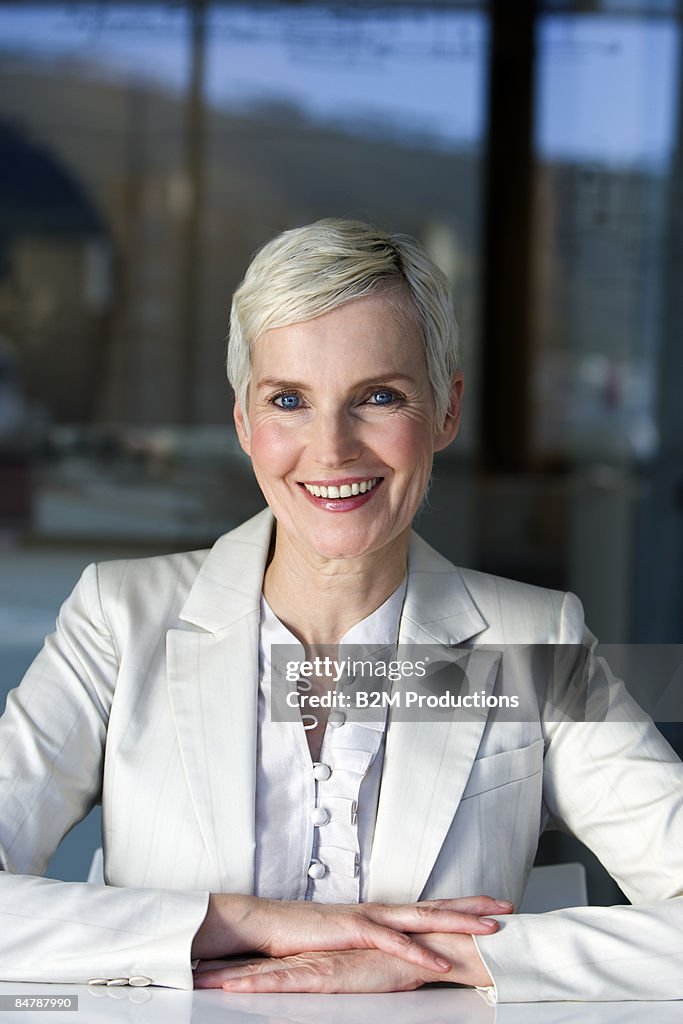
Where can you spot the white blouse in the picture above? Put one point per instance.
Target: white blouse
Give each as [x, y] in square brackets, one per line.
[315, 822]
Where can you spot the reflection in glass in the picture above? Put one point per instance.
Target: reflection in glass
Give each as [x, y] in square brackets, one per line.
[605, 134]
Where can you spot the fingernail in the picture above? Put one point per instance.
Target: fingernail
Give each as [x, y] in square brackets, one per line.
[505, 904]
[488, 921]
[443, 963]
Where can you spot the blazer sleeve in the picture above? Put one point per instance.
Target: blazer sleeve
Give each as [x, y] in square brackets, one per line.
[617, 785]
[52, 743]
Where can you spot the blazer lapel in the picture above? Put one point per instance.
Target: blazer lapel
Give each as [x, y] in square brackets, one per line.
[427, 764]
[213, 687]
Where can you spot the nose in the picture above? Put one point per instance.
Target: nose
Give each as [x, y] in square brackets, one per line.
[335, 440]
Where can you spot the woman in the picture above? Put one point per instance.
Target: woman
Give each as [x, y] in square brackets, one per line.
[227, 832]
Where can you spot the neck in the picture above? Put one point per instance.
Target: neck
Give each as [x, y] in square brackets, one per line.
[319, 599]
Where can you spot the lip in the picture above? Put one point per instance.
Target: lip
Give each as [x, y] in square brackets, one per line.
[341, 504]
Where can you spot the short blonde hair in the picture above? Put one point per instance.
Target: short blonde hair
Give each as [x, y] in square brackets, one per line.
[311, 270]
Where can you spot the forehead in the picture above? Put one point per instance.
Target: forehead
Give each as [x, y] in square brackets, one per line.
[377, 327]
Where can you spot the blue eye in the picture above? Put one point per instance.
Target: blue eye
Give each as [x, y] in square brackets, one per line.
[287, 401]
[383, 397]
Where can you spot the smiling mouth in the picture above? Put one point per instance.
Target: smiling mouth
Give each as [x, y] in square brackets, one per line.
[342, 490]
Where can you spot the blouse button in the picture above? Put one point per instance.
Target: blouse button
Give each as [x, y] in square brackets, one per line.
[316, 869]
[336, 718]
[320, 816]
[321, 771]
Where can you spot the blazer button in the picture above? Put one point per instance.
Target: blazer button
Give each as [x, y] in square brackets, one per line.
[336, 718]
[99, 981]
[117, 982]
[321, 771]
[139, 981]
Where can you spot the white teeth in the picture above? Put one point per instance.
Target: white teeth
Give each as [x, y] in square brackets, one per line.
[341, 491]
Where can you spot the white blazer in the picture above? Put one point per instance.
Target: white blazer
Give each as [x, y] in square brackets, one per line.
[146, 698]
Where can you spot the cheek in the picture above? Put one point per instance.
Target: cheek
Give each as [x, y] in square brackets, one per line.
[411, 446]
[273, 448]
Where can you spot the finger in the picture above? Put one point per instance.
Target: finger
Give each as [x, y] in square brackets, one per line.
[422, 920]
[425, 917]
[209, 979]
[280, 981]
[397, 943]
[265, 966]
[349, 971]
[213, 965]
[214, 977]
[301, 973]
[209, 965]
[472, 905]
[291, 974]
[478, 906]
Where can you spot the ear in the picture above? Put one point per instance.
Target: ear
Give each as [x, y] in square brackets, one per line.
[449, 429]
[242, 427]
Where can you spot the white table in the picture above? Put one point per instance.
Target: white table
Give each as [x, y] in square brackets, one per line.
[426, 1006]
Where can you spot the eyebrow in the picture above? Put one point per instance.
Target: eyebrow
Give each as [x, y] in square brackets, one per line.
[278, 382]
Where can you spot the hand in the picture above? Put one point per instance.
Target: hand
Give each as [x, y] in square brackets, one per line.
[281, 928]
[357, 970]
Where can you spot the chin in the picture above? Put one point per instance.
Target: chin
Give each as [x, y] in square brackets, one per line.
[356, 546]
